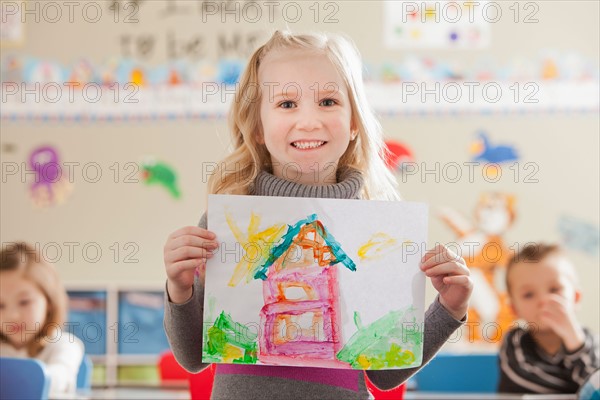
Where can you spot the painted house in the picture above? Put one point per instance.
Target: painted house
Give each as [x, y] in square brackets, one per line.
[301, 318]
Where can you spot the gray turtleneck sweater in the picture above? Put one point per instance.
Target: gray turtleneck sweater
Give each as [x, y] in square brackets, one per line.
[184, 323]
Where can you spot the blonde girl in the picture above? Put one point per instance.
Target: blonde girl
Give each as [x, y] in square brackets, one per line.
[301, 127]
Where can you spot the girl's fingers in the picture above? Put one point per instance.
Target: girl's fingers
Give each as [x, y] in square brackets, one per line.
[440, 254]
[193, 241]
[188, 264]
[432, 253]
[461, 280]
[186, 253]
[194, 231]
[449, 268]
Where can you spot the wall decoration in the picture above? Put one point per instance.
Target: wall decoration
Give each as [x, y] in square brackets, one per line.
[159, 173]
[51, 184]
[197, 89]
[580, 235]
[484, 250]
[44, 72]
[435, 24]
[397, 155]
[488, 153]
[484, 150]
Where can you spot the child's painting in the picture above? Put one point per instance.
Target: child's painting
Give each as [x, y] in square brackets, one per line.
[315, 282]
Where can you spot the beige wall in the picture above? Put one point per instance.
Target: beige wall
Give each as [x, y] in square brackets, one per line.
[565, 147]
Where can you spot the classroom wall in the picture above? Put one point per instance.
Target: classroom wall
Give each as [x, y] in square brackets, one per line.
[130, 221]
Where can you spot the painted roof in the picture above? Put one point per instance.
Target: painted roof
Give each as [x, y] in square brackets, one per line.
[288, 238]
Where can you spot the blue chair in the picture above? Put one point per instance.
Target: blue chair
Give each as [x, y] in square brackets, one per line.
[460, 373]
[84, 376]
[23, 378]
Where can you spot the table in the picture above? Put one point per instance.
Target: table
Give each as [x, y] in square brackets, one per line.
[132, 393]
[164, 393]
[485, 396]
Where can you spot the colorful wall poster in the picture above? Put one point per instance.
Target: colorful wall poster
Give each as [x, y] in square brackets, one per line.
[438, 24]
[315, 282]
[485, 251]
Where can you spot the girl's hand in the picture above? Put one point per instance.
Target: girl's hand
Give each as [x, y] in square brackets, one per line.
[450, 277]
[557, 314]
[185, 252]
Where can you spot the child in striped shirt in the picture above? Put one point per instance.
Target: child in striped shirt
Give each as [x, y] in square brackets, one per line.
[553, 353]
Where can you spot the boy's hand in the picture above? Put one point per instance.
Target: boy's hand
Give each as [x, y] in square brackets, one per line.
[450, 277]
[186, 251]
[556, 314]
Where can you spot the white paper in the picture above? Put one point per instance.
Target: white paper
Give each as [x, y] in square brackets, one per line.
[384, 281]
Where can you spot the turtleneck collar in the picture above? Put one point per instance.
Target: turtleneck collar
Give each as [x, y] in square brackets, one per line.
[350, 183]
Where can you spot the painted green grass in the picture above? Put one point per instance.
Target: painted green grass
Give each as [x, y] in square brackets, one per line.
[393, 341]
[229, 341]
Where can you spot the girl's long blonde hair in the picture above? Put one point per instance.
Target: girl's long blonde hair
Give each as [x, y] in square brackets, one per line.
[23, 258]
[236, 173]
